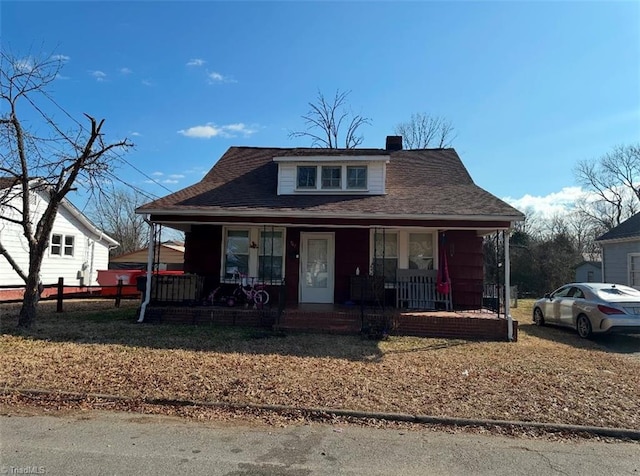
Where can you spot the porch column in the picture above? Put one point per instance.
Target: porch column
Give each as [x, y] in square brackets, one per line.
[507, 286]
[150, 255]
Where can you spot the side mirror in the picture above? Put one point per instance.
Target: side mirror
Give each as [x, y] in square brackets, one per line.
[547, 296]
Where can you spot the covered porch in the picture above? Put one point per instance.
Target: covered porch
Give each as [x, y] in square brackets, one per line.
[384, 276]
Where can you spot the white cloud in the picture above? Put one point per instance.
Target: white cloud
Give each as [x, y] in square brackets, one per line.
[146, 82]
[136, 134]
[157, 174]
[210, 130]
[555, 203]
[176, 176]
[62, 58]
[99, 75]
[196, 62]
[126, 70]
[215, 77]
[169, 181]
[60, 76]
[25, 65]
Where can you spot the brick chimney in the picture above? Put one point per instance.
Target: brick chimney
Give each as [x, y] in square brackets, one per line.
[394, 143]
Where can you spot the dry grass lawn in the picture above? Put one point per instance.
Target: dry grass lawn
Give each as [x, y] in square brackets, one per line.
[549, 375]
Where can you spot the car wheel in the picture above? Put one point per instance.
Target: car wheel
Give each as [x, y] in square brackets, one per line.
[583, 326]
[538, 317]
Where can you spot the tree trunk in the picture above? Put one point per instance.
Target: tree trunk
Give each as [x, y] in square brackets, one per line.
[32, 290]
[29, 308]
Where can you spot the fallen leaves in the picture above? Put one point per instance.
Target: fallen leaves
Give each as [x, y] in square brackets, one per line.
[535, 379]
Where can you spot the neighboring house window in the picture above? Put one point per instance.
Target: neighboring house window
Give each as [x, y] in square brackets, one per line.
[271, 254]
[68, 245]
[56, 245]
[420, 251]
[590, 276]
[634, 270]
[385, 250]
[307, 177]
[357, 177]
[236, 260]
[332, 177]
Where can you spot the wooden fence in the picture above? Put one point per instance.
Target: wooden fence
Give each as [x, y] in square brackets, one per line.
[59, 292]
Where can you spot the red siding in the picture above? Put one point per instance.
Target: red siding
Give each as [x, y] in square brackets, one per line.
[202, 250]
[465, 260]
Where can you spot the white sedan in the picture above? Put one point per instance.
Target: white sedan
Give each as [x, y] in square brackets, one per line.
[591, 308]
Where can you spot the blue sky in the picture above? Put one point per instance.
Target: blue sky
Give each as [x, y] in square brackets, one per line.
[531, 88]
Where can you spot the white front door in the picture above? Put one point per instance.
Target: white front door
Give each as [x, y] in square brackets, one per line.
[316, 267]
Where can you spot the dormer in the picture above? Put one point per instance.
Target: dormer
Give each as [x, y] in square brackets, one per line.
[332, 175]
[330, 172]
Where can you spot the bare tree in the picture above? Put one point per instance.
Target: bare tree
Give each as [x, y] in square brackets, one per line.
[115, 213]
[38, 155]
[327, 119]
[614, 181]
[424, 131]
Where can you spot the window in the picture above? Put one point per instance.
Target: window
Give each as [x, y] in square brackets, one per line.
[420, 251]
[236, 260]
[385, 249]
[307, 177]
[56, 245]
[68, 245]
[255, 252]
[271, 254]
[634, 270]
[332, 177]
[357, 177]
[590, 276]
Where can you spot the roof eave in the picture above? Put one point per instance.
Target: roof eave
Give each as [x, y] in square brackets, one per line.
[191, 213]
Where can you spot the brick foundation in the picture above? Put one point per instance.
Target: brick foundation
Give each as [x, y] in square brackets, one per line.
[423, 324]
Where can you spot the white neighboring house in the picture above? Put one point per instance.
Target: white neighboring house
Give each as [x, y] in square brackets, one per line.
[621, 253]
[77, 248]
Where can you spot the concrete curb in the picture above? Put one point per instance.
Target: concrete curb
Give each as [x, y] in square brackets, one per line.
[623, 433]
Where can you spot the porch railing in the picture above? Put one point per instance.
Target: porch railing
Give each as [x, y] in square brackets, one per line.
[416, 289]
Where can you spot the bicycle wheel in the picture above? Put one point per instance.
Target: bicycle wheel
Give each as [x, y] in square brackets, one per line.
[261, 297]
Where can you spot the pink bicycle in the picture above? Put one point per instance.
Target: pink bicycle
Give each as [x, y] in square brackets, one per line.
[250, 292]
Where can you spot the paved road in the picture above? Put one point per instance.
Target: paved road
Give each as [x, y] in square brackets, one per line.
[105, 443]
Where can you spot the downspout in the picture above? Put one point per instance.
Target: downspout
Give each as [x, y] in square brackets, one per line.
[150, 254]
[507, 286]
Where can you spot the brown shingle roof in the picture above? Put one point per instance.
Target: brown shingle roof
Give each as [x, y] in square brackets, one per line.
[423, 183]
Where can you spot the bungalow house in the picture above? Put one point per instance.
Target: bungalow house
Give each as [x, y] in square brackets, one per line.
[621, 253]
[77, 248]
[317, 222]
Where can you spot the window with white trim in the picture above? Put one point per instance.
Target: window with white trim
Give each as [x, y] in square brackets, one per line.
[56, 245]
[332, 177]
[236, 258]
[62, 245]
[69, 241]
[254, 252]
[357, 177]
[634, 270]
[420, 251]
[306, 177]
[271, 255]
[385, 252]
[402, 249]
